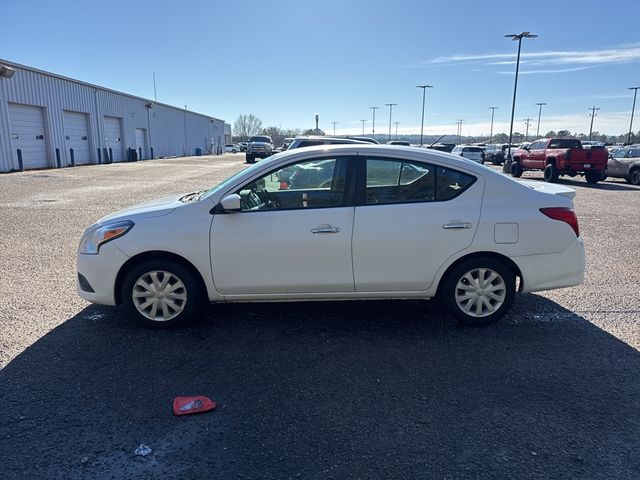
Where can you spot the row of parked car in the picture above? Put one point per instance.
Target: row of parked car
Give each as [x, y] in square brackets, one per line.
[555, 157]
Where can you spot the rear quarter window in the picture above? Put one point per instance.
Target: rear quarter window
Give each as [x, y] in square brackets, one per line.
[451, 183]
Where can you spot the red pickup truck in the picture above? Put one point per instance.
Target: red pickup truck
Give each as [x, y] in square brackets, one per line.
[561, 156]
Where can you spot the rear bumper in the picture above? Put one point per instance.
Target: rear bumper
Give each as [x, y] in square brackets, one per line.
[553, 270]
[582, 166]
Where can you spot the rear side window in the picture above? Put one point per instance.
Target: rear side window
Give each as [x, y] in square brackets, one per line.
[396, 181]
[310, 143]
[451, 183]
[634, 153]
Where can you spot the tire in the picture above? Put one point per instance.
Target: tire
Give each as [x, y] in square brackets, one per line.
[593, 177]
[250, 159]
[145, 280]
[459, 284]
[516, 169]
[551, 173]
[234, 151]
[634, 177]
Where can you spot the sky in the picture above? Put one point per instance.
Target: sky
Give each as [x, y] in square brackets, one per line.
[285, 61]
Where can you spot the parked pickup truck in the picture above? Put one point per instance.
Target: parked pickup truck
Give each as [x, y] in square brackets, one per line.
[259, 146]
[560, 156]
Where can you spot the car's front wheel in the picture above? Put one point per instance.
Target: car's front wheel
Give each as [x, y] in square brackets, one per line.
[516, 169]
[161, 293]
[479, 291]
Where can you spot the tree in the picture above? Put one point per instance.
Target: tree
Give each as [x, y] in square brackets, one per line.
[246, 126]
[564, 133]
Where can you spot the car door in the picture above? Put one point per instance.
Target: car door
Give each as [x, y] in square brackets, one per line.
[409, 219]
[292, 235]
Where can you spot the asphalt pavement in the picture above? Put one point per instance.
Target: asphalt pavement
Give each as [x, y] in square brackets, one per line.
[344, 390]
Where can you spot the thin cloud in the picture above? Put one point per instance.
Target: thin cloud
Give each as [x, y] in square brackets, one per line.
[559, 70]
[622, 54]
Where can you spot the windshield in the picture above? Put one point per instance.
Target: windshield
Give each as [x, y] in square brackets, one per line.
[228, 181]
[260, 139]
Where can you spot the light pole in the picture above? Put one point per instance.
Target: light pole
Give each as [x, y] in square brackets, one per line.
[506, 167]
[373, 129]
[390, 105]
[459, 122]
[592, 115]
[493, 109]
[396, 124]
[527, 122]
[632, 110]
[540, 104]
[424, 90]
[334, 128]
[363, 126]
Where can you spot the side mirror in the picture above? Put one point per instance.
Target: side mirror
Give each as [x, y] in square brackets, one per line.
[231, 203]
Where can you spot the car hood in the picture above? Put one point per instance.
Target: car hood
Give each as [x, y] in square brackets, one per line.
[552, 188]
[156, 208]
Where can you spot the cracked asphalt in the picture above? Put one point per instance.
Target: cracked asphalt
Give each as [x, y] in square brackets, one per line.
[344, 390]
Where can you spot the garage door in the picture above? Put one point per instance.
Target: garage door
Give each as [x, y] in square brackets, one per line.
[27, 134]
[76, 134]
[113, 137]
[141, 143]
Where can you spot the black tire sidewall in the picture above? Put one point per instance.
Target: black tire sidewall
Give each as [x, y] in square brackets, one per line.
[550, 173]
[194, 296]
[449, 289]
[516, 169]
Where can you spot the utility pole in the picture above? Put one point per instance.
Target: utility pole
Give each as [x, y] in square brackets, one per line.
[592, 115]
[390, 105]
[155, 95]
[493, 109]
[334, 128]
[527, 122]
[396, 124]
[424, 90]
[633, 109]
[539, 115]
[506, 167]
[363, 126]
[373, 130]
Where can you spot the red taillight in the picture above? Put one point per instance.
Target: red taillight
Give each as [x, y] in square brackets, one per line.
[563, 214]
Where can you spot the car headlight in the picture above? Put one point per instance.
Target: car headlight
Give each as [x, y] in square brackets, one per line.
[98, 235]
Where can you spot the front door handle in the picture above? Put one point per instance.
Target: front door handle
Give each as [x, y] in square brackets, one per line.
[325, 229]
[455, 226]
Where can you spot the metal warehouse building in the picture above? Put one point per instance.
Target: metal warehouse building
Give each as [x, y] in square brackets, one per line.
[50, 121]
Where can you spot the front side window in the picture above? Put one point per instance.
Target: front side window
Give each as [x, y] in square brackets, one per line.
[318, 183]
[622, 153]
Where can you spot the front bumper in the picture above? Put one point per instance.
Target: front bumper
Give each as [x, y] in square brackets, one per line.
[553, 270]
[99, 272]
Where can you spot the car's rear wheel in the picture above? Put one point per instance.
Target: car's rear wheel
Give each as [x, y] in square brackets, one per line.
[551, 173]
[593, 177]
[161, 293]
[516, 169]
[634, 177]
[479, 291]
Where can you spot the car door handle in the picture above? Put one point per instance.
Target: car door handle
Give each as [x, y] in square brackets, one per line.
[455, 226]
[325, 229]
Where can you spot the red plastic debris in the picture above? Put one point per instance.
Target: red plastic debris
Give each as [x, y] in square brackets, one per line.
[188, 405]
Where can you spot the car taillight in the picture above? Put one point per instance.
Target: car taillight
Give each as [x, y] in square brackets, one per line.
[563, 214]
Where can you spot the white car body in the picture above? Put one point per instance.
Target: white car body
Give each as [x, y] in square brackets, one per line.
[399, 250]
[470, 152]
[231, 148]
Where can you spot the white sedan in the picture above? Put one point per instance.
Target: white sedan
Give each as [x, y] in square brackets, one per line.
[231, 148]
[338, 222]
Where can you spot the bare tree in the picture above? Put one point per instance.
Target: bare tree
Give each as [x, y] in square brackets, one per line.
[246, 126]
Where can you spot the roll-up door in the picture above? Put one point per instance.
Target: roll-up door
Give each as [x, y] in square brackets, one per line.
[76, 134]
[113, 137]
[26, 124]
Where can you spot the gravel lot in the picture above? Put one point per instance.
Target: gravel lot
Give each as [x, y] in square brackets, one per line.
[322, 390]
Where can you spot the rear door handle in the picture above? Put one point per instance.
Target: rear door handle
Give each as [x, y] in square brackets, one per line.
[325, 229]
[456, 226]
